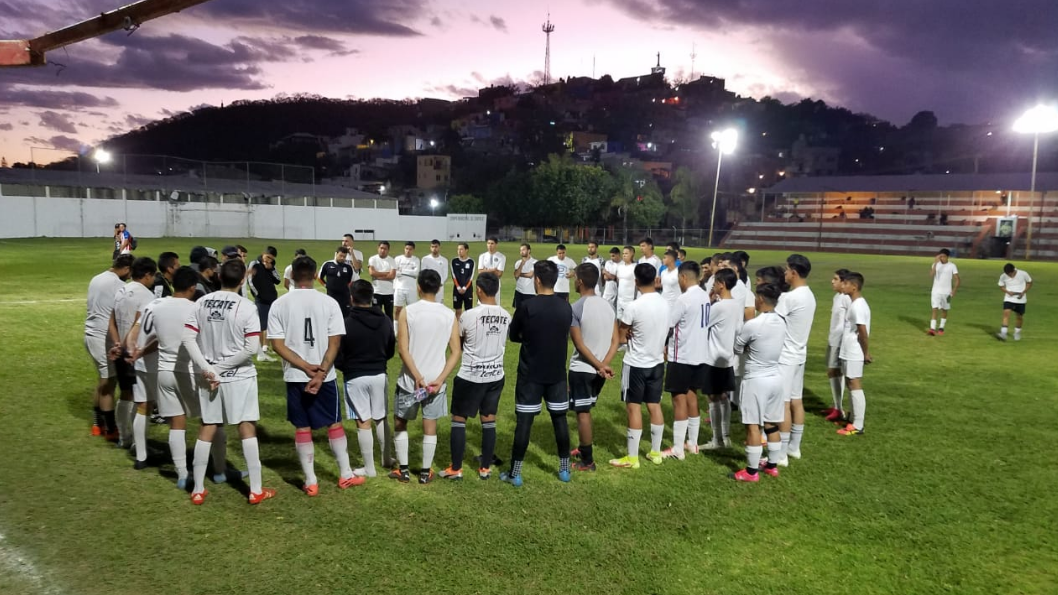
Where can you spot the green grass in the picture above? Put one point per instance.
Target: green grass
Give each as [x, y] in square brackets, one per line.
[951, 490]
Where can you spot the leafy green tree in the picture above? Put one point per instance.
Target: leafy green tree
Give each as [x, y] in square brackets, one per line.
[466, 203]
[636, 198]
[685, 196]
[570, 194]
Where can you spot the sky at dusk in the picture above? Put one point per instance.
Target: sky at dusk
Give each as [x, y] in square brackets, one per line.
[969, 61]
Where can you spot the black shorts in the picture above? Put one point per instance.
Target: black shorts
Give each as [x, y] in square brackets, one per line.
[644, 384]
[126, 373]
[306, 410]
[529, 394]
[520, 298]
[262, 314]
[384, 303]
[1015, 308]
[718, 380]
[584, 389]
[463, 301]
[681, 379]
[469, 398]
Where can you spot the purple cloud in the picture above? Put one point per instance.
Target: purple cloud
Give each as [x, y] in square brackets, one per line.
[57, 122]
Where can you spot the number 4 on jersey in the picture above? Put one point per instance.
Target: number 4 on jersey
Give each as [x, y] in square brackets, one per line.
[310, 338]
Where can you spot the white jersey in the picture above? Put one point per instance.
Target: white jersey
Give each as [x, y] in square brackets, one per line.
[102, 290]
[439, 264]
[305, 320]
[689, 320]
[129, 301]
[565, 267]
[942, 277]
[670, 286]
[489, 260]
[741, 294]
[289, 276]
[1015, 285]
[839, 308]
[798, 308]
[223, 320]
[649, 318]
[626, 282]
[610, 288]
[594, 317]
[382, 265]
[484, 333]
[859, 313]
[597, 261]
[708, 286]
[761, 339]
[652, 259]
[429, 329]
[163, 320]
[725, 321]
[407, 273]
[525, 285]
[349, 260]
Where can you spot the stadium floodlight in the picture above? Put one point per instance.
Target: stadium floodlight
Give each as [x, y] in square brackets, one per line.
[724, 142]
[1036, 121]
[433, 204]
[101, 157]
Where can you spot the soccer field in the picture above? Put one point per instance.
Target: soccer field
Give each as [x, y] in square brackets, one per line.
[950, 489]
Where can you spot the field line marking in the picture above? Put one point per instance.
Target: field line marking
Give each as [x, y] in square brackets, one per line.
[17, 563]
[32, 302]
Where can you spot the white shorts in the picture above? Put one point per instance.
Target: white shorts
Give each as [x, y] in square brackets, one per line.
[852, 368]
[833, 361]
[405, 297]
[621, 304]
[793, 381]
[762, 400]
[941, 301]
[365, 398]
[97, 349]
[233, 402]
[177, 395]
[146, 387]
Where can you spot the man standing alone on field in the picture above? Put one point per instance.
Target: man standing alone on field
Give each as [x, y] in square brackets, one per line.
[1015, 284]
[945, 283]
[491, 261]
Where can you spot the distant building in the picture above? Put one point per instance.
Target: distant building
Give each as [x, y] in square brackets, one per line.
[806, 160]
[433, 171]
[586, 141]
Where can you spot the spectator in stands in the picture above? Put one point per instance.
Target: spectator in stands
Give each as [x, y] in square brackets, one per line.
[943, 218]
[911, 203]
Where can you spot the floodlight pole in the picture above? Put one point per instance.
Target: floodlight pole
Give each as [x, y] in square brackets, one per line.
[1032, 195]
[716, 189]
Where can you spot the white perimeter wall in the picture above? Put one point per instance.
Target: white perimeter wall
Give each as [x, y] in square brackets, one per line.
[22, 217]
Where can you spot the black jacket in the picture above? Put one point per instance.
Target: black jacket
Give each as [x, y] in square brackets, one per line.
[367, 345]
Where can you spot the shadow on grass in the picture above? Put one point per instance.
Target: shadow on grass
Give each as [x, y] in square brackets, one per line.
[989, 330]
[916, 323]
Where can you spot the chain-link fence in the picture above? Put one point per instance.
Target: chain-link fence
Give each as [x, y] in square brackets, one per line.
[613, 235]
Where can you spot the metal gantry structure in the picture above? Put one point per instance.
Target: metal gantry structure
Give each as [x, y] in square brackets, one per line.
[547, 28]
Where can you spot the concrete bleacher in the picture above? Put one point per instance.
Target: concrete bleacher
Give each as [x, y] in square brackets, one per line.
[823, 214]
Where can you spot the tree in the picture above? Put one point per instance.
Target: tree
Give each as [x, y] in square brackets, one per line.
[635, 197]
[572, 194]
[465, 203]
[685, 196]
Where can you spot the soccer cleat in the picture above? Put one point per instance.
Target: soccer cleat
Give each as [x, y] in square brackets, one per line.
[795, 454]
[835, 415]
[311, 490]
[484, 473]
[850, 430]
[362, 472]
[514, 480]
[772, 471]
[348, 482]
[198, 498]
[112, 436]
[672, 453]
[1017, 337]
[783, 462]
[389, 463]
[711, 445]
[181, 484]
[828, 411]
[96, 430]
[940, 332]
[655, 457]
[727, 443]
[426, 476]
[157, 419]
[564, 476]
[690, 448]
[139, 465]
[265, 494]
[1001, 336]
[625, 462]
[450, 473]
[931, 332]
[496, 461]
[400, 475]
[582, 466]
[574, 453]
[230, 475]
[743, 475]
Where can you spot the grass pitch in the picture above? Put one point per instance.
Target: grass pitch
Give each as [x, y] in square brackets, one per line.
[947, 491]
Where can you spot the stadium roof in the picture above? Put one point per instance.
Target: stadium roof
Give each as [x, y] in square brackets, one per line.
[916, 183]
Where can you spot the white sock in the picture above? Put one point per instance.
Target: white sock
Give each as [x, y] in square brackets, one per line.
[632, 441]
[694, 428]
[429, 447]
[859, 405]
[400, 442]
[252, 453]
[716, 421]
[199, 463]
[943, 321]
[340, 448]
[139, 435]
[178, 450]
[220, 451]
[725, 419]
[837, 388]
[679, 435]
[933, 324]
[797, 431]
[1003, 331]
[775, 452]
[382, 431]
[657, 433]
[306, 455]
[753, 456]
[1017, 331]
[784, 441]
[367, 451]
[124, 412]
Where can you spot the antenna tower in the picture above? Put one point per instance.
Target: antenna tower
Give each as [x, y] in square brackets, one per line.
[547, 29]
[694, 55]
